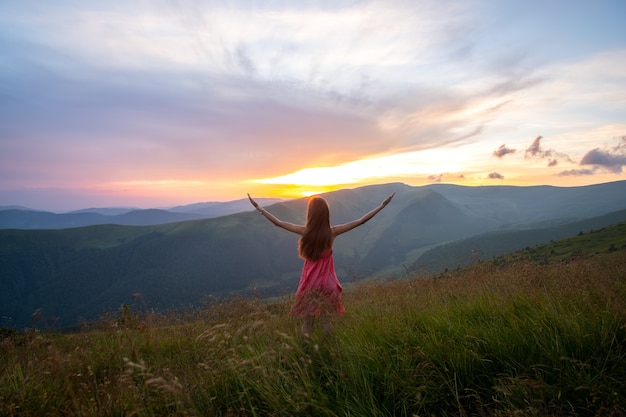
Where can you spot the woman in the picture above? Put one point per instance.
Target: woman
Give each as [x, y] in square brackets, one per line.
[319, 291]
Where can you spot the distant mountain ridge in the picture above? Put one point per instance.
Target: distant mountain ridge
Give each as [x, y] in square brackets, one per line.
[13, 217]
[217, 209]
[82, 272]
[105, 211]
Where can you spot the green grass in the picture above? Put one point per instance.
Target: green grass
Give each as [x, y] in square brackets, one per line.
[509, 340]
[606, 239]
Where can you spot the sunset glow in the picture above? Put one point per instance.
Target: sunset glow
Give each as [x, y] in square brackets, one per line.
[159, 104]
[373, 169]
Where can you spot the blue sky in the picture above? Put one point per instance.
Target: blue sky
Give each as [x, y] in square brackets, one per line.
[150, 104]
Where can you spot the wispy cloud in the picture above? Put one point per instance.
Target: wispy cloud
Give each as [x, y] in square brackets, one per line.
[536, 151]
[503, 151]
[576, 172]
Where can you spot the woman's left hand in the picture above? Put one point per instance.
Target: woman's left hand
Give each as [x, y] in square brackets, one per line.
[254, 203]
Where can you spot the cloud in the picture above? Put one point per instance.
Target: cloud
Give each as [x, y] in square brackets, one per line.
[604, 159]
[502, 151]
[612, 160]
[536, 151]
[495, 176]
[114, 126]
[576, 172]
[244, 61]
[280, 95]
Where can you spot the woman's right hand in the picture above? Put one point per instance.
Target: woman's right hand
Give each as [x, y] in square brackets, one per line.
[388, 199]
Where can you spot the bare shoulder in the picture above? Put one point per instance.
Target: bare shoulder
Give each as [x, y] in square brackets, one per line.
[295, 228]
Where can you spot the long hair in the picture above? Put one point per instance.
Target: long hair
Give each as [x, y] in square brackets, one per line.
[317, 235]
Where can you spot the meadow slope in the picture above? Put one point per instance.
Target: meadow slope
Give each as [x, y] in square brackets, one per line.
[515, 336]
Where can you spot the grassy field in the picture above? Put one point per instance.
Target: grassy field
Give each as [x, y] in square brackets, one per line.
[517, 338]
[607, 239]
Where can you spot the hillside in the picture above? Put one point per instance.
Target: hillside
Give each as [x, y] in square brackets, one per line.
[489, 245]
[73, 274]
[503, 338]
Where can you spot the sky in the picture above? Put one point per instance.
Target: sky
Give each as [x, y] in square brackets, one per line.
[161, 103]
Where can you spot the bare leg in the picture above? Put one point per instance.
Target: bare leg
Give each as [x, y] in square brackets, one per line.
[307, 327]
[325, 323]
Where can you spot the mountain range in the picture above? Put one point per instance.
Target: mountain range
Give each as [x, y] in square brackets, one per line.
[72, 274]
[16, 217]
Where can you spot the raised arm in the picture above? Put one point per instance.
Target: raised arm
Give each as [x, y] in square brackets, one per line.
[295, 228]
[343, 228]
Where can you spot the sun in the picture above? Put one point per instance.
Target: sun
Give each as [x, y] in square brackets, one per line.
[310, 193]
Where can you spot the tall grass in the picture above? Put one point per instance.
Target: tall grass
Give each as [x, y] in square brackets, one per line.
[518, 339]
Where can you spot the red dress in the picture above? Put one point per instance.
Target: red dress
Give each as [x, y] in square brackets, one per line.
[319, 291]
